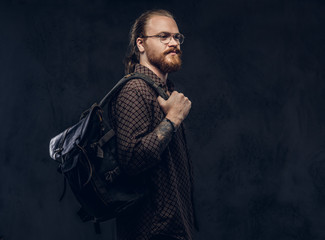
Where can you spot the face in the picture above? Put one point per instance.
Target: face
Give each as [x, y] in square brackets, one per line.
[165, 57]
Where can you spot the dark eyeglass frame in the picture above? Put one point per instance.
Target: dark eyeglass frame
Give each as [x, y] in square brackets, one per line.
[164, 36]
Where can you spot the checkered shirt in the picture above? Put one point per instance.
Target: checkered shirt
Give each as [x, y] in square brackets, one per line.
[168, 208]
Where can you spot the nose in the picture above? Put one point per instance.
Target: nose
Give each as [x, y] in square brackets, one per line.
[173, 42]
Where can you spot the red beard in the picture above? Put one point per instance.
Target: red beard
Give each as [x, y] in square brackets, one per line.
[167, 63]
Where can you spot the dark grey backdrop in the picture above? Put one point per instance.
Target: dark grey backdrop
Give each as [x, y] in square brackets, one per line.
[253, 69]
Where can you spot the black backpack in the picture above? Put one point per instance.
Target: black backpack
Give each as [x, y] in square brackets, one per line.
[87, 157]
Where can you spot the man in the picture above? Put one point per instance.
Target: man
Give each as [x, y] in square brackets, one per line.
[150, 134]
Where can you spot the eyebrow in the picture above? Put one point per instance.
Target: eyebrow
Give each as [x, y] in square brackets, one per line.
[166, 33]
[163, 33]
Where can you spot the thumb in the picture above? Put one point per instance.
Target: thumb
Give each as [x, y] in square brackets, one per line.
[161, 101]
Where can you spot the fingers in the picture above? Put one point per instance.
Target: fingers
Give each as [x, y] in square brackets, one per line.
[175, 99]
[174, 93]
[161, 100]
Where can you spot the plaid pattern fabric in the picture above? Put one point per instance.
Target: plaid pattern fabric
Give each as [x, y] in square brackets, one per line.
[168, 175]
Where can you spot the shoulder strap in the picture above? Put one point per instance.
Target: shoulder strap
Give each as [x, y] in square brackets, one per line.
[127, 78]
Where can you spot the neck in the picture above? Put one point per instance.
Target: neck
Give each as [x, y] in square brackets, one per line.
[161, 75]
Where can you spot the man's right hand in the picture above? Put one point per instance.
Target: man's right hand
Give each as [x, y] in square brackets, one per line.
[176, 107]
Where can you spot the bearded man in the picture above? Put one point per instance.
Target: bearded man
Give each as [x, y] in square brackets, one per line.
[150, 134]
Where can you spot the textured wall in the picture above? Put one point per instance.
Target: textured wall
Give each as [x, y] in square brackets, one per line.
[254, 71]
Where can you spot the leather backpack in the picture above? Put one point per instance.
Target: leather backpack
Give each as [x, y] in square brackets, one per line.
[86, 154]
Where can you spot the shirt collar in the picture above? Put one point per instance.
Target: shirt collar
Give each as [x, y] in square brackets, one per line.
[142, 69]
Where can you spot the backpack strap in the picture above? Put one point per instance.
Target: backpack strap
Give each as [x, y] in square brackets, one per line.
[127, 78]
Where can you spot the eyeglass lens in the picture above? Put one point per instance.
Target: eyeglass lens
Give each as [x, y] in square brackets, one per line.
[179, 38]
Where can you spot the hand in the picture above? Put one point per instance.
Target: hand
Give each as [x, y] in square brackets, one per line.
[176, 107]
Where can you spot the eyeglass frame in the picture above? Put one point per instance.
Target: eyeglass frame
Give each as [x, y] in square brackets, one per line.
[171, 35]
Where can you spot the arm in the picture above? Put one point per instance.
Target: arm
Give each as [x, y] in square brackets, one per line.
[139, 147]
[164, 132]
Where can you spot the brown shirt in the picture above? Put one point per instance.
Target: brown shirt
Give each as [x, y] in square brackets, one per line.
[168, 208]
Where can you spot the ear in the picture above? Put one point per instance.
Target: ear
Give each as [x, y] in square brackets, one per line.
[140, 44]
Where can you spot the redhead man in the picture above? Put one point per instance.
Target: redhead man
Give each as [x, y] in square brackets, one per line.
[150, 134]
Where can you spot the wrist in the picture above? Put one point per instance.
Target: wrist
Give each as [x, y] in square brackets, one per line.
[177, 122]
[174, 126]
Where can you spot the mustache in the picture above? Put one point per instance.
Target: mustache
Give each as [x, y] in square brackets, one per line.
[176, 50]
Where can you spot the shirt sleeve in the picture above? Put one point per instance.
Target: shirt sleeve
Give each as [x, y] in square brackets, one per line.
[138, 147]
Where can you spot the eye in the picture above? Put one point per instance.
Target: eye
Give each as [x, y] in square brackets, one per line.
[164, 35]
[177, 36]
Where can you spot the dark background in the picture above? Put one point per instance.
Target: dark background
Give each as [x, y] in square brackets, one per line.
[253, 69]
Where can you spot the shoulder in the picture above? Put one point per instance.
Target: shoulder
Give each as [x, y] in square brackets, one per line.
[138, 87]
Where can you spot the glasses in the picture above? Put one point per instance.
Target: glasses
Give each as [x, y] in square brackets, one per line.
[166, 37]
